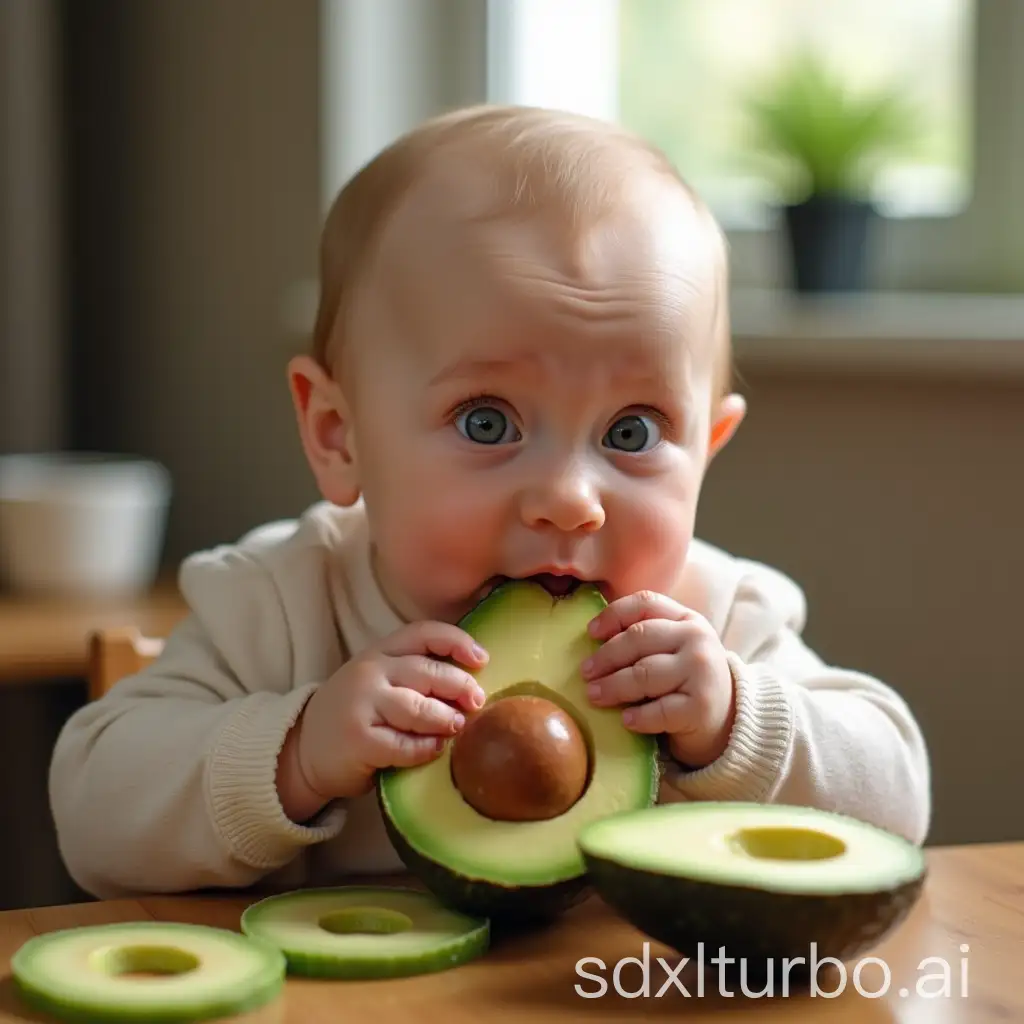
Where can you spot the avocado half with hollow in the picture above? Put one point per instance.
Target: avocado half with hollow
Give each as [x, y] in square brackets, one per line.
[445, 819]
[146, 970]
[766, 882]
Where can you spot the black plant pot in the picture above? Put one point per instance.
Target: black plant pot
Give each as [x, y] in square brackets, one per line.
[828, 243]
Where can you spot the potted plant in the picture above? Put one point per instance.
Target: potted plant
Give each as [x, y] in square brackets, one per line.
[824, 144]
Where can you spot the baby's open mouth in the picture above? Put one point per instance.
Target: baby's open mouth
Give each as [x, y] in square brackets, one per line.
[556, 584]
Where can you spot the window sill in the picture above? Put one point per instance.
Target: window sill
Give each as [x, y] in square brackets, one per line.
[886, 332]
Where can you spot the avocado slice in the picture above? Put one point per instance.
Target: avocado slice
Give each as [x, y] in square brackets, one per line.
[146, 970]
[520, 870]
[365, 932]
[766, 882]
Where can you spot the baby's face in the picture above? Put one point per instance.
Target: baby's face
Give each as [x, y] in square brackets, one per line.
[530, 399]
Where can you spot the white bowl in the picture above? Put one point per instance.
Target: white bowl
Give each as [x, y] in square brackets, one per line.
[81, 524]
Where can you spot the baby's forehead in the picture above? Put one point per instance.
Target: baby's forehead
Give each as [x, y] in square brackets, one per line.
[623, 282]
[467, 216]
[595, 217]
[572, 185]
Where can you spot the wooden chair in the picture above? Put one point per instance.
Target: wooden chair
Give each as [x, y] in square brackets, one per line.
[118, 652]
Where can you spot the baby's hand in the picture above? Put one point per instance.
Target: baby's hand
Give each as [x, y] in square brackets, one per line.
[667, 661]
[393, 705]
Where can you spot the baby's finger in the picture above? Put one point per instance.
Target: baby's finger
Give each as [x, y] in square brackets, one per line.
[644, 604]
[434, 678]
[672, 713]
[441, 639]
[407, 710]
[639, 640]
[652, 676]
[402, 749]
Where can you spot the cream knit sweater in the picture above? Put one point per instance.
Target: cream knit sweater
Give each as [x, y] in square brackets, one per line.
[168, 782]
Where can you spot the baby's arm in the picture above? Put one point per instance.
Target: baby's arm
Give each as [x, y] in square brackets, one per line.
[168, 783]
[808, 733]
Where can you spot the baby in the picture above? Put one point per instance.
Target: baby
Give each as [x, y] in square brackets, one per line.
[520, 368]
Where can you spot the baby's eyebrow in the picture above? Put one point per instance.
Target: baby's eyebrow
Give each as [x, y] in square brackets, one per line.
[469, 369]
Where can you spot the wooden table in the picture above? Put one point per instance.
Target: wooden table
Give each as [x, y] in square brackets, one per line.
[47, 639]
[971, 917]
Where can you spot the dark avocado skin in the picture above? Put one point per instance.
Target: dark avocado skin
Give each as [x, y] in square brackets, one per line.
[757, 927]
[513, 906]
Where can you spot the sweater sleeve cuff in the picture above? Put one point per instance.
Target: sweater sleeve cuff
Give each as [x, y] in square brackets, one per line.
[241, 784]
[754, 759]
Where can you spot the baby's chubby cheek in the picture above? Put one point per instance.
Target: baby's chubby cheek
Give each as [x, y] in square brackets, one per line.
[442, 542]
[646, 547]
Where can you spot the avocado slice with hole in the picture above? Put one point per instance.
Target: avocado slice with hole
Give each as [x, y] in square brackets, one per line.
[766, 882]
[146, 970]
[365, 932]
[520, 870]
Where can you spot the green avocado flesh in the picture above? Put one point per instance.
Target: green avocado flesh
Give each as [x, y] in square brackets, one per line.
[146, 970]
[765, 882]
[520, 869]
[365, 932]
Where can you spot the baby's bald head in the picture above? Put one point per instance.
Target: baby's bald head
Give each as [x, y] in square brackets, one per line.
[563, 179]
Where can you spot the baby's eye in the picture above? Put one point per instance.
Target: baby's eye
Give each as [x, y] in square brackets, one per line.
[632, 434]
[486, 425]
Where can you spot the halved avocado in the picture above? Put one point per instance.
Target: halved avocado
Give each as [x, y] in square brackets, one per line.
[765, 882]
[146, 970]
[365, 932]
[532, 869]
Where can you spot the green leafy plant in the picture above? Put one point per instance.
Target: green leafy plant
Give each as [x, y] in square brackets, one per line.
[817, 136]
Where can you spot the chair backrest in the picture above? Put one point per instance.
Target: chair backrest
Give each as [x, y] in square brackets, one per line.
[118, 652]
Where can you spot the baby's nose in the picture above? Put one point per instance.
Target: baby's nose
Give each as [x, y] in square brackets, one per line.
[569, 501]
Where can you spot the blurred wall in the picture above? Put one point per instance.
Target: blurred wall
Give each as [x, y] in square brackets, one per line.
[192, 166]
[897, 505]
[195, 156]
[31, 241]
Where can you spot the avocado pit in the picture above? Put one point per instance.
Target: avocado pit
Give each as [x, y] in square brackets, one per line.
[521, 758]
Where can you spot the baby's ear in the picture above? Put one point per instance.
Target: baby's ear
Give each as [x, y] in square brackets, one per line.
[325, 430]
[728, 416]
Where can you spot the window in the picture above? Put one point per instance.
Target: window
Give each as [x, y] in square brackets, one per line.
[685, 67]
[675, 71]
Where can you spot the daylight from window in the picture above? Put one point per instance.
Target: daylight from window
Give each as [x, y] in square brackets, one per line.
[688, 67]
